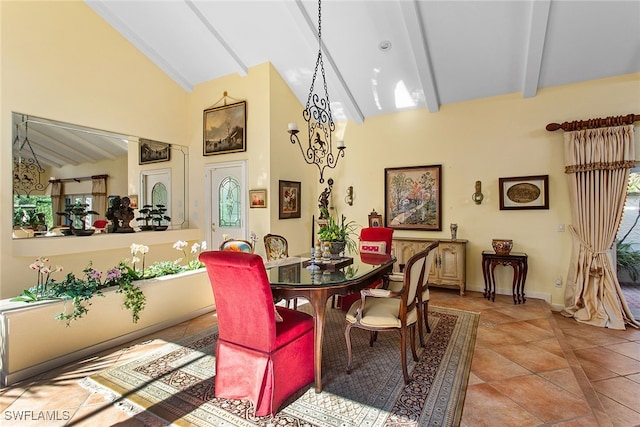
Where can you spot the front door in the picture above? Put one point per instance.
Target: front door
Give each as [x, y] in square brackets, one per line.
[226, 191]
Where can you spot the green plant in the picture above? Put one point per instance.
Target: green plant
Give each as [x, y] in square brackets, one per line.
[628, 259]
[193, 263]
[79, 291]
[163, 268]
[146, 216]
[343, 231]
[77, 213]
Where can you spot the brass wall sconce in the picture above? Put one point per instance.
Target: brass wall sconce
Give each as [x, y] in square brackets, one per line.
[477, 196]
[349, 198]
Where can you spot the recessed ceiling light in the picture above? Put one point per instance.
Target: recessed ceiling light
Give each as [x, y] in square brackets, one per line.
[385, 45]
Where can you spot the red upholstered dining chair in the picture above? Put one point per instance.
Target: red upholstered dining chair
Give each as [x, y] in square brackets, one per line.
[257, 358]
[373, 240]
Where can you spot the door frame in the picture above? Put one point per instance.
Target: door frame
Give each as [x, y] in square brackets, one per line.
[209, 169]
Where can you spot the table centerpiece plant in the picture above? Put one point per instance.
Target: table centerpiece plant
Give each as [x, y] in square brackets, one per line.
[340, 234]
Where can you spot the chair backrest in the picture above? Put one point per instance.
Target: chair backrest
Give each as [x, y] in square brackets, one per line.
[378, 234]
[415, 271]
[276, 247]
[100, 223]
[237, 245]
[244, 303]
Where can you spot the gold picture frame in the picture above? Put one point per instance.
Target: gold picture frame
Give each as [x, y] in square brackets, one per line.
[225, 129]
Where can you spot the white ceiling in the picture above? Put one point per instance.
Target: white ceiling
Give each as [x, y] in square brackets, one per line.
[441, 52]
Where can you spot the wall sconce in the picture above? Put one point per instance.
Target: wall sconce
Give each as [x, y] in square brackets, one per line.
[349, 198]
[477, 196]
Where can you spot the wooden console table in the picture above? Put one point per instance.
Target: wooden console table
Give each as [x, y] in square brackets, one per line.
[518, 261]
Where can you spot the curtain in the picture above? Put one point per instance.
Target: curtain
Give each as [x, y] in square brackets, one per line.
[99, 194]
[597, 164]
[56, 203]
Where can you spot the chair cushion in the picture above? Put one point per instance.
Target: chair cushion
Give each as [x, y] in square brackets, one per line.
[396, 285]
[380, 313]
[367, 247]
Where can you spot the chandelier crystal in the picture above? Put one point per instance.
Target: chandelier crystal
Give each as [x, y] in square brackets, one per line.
[320, 124]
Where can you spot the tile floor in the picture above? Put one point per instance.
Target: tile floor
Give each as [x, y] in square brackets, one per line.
[531, 367]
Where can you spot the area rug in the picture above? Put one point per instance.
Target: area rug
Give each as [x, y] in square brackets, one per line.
[175, 384]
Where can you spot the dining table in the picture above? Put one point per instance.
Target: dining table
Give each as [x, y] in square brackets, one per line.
[293, 277]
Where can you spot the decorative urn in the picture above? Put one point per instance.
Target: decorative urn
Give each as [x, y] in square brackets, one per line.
[502, 246]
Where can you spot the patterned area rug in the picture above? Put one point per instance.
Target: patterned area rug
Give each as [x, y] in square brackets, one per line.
[174, 385]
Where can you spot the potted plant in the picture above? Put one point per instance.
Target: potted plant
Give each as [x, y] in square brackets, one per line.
[339, 234]
[158, 217]
[147, 217]
[76, 215]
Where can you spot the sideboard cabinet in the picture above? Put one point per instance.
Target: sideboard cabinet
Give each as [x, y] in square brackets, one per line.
[449, 263]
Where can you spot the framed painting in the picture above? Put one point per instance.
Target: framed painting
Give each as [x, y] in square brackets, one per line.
[524, 192]
[412, 198]
[258, 198]
[225, 129]
[153, 151]
[375, 219]
[288, 199]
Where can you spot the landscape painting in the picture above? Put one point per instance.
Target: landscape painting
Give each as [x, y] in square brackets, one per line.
[225, 129]
[413, 198]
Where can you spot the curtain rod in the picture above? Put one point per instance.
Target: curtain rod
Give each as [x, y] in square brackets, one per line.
[81, 178]
[594, 123]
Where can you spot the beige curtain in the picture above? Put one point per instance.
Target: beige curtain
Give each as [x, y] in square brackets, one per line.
[597, 164]
[56, 203]
[99, 194]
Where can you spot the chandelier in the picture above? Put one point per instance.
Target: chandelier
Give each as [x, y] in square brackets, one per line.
[320, 124]
[27, 172]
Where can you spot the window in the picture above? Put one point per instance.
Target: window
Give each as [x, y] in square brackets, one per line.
[229, 199]
[72, 199]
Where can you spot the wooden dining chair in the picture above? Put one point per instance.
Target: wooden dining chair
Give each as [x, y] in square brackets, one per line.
[396, 282]
[385, 310]
[237, 245]
[277, 247]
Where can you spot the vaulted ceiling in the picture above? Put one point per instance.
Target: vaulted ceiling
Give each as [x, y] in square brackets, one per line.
[380, 56]
[438, 52]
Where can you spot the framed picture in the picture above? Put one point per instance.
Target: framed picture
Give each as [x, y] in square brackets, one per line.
[524, 192]
[289, 273]
[258, 198]
[225, 129]
[375, 219]
[153, 151]
[288, 199]
[412, 198]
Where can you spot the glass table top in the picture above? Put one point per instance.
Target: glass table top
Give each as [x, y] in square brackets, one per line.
[294, 271]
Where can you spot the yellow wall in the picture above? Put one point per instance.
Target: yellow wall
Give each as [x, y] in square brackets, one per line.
[93, 77]
[61, 61]
[484, 140]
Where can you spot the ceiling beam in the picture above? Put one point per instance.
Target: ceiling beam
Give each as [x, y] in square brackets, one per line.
[242, 68]
[418, 40]
[310, 33]
[535, 49]
[101, 8]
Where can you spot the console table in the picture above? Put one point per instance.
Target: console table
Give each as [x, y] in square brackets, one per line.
[518, 261]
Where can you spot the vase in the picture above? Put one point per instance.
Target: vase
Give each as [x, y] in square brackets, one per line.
[336, 248]
[454, 231]
[502, 246]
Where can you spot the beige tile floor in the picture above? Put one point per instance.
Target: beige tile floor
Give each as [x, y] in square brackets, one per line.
[530, 368]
